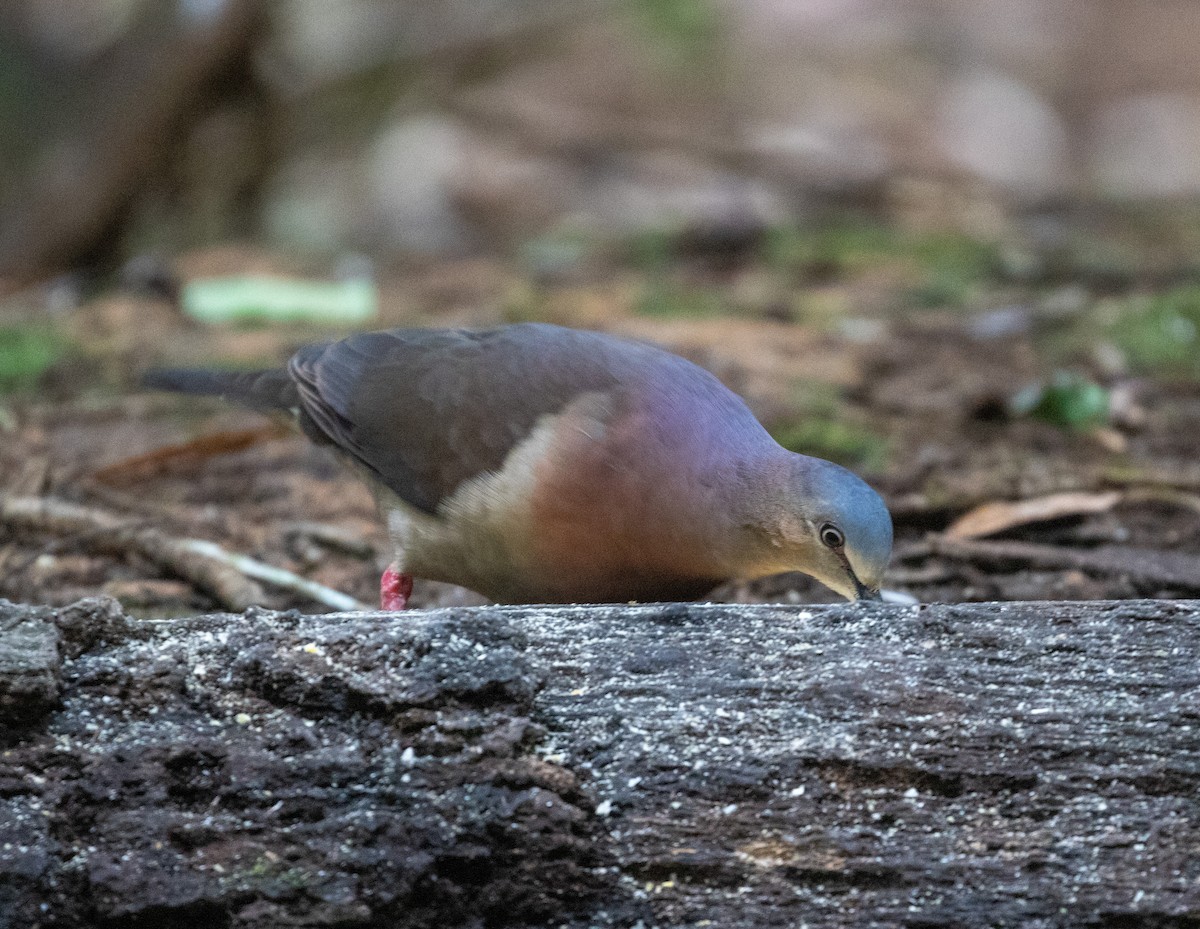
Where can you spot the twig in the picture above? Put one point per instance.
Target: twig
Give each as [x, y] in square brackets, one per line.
[277, 577]
[1186, 479]
[1142, 566]
[334, 537]
[926, 574]
[110, 533]
[1168, 496]
[150, 509]
[1180, 489]
[224, 575]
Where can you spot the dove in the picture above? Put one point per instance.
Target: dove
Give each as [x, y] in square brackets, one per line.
[534, 463]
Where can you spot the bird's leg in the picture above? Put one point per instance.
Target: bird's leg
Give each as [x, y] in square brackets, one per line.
[394, 588]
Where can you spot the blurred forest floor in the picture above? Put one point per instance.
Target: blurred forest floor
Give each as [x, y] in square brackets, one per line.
[1033, 419]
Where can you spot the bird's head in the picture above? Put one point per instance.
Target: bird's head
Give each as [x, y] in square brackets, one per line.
[831, 525]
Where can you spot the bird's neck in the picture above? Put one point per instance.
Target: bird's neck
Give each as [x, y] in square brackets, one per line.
[771, 533]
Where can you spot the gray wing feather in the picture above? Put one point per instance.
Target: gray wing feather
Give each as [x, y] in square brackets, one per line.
[424, 410]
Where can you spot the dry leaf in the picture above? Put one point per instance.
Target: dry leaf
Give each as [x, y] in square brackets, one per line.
[184, 455]
[990, 518]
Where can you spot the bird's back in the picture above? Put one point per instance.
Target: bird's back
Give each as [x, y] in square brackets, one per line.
[425, 410]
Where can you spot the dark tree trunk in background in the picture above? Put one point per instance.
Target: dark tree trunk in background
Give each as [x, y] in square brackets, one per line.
[157, 83]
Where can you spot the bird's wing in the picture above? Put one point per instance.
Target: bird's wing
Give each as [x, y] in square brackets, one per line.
[424, 410]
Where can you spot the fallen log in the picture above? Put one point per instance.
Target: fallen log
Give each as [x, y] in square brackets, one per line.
[969, 765]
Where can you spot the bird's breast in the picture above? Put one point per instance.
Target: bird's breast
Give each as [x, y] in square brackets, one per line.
[611, 511]
[596, 504]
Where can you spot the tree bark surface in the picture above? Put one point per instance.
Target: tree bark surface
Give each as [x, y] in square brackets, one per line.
[1019, 764]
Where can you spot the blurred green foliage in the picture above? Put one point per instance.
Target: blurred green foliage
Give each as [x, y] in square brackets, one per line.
[665, 299]
[822, 426]
[954, 268]
[689, 30]
[949, 268]
[652, 250]
[26, 353]
[829, 251]
[524, 304]
[1159, 334]
[556, 255]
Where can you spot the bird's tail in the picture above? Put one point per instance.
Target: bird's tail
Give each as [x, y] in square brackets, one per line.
[266, 391]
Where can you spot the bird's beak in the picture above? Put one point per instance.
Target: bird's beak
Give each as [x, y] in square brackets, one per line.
[863, 592]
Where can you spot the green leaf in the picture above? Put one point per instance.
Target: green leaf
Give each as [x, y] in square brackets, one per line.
[1069, 400]
[26, 353]
[280, 300]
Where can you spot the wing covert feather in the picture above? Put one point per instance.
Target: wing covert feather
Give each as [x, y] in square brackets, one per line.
[424, 410]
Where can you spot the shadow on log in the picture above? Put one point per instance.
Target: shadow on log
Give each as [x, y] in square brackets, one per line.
[973, 765]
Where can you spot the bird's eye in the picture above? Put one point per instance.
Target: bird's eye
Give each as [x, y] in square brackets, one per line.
[831, 536]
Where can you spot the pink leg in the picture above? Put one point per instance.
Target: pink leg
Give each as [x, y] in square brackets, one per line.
[394, 589]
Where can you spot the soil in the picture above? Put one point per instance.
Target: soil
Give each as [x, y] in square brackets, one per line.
[931, 388]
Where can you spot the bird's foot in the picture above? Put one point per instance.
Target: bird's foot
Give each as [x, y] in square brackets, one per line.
[394, 589]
